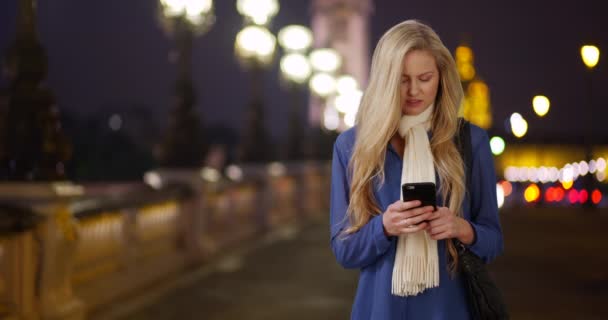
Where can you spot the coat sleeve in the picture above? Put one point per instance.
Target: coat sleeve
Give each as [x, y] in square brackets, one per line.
[363, 247]
[488, 243]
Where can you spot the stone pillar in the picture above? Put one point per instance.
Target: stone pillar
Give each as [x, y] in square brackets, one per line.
[18, 262]
[59, 239]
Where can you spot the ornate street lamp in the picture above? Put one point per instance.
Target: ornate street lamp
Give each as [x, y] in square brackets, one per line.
[255, 48]
[258, 12]
[326, 63]
[295, 70]
[34, 146]
[183, 145]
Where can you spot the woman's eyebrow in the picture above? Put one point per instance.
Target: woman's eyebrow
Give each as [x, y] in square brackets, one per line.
[422, 74]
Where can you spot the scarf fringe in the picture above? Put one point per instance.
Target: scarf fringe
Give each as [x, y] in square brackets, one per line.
[414, 274]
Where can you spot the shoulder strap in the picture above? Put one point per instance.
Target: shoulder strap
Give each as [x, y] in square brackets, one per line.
[465, 148]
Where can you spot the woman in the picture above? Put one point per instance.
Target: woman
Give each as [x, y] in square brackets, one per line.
[404, 133]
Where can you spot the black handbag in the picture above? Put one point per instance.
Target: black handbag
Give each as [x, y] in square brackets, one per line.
[484, 297]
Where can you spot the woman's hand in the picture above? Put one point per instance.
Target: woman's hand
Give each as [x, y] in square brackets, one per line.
[405, 217]
[444, 224]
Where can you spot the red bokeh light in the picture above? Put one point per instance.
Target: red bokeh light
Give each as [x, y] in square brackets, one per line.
[573, 196]
[596, 196]
[550, 194]
[559, 194]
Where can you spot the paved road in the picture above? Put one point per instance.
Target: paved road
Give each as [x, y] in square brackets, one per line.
[554, 267]
[555, 264]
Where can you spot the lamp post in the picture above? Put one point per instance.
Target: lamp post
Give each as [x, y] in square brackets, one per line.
[347, 99]
[295, 69]
[325, 63]
[34, 146]
[590, 55]
[254, 48]
[183, 144]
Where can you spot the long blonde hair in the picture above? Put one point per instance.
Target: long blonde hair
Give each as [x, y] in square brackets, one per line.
[379, 115]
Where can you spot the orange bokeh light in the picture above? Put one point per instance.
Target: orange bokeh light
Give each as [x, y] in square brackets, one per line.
[507, 188]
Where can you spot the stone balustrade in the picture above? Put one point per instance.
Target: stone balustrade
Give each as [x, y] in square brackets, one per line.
[69, 251]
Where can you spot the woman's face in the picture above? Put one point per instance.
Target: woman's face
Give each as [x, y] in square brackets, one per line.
[419, 82]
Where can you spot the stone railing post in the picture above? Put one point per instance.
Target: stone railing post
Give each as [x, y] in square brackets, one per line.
[18, 263]
[59, 237]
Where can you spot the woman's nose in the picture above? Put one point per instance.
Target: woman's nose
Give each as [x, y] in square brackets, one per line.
[413, 88]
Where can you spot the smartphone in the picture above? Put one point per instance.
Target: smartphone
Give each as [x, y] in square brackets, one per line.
[424, 191]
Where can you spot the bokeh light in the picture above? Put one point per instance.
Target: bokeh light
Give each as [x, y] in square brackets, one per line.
[497, 144]
[532, 193]
[596, 196]
[507, 188]
[500, 195]
[590, 55]
[541, 105]
[519, 126]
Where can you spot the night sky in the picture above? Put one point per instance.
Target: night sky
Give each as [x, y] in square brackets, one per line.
[113, 54]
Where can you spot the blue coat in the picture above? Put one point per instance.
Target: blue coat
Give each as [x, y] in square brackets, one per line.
[373, 253]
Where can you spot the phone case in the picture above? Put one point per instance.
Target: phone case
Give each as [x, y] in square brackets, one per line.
[423, 191]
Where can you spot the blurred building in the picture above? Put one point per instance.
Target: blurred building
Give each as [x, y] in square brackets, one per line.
[342, 25]
[476, 102]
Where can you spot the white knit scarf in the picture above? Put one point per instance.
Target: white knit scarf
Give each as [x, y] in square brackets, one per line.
[416, 265]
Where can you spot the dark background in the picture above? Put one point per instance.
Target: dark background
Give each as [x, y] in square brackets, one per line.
[111, 57]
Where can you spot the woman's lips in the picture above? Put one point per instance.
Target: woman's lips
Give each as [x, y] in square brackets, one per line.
[413, 102]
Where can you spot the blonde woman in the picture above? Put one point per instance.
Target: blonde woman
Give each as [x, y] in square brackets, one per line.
[405, 132]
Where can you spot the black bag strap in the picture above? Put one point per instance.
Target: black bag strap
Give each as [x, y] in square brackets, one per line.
[463, 143]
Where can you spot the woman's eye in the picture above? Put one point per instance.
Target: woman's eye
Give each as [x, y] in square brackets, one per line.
[425, 79]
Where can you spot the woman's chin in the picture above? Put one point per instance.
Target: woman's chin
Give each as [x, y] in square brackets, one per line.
[413, 110]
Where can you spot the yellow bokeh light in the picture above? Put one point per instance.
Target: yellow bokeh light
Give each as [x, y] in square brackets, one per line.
[590, 55]
[464, 54]
[322, 84]
[541, 105]
[255, 42]
[259, 11]
[295, 67]
[532, 193]
[325, 60]
[466, 71]
[567, 184]
[295, 38]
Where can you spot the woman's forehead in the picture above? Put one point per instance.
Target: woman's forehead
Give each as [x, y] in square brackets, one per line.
[417, 62]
